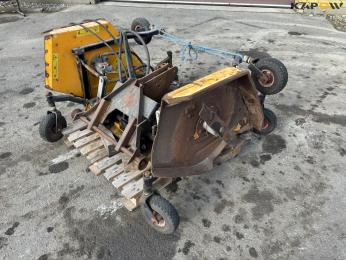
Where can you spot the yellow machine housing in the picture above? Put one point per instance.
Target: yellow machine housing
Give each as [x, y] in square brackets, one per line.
[61, 72]
[203, 83]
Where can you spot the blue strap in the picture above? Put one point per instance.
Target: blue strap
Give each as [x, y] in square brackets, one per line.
[194, 49]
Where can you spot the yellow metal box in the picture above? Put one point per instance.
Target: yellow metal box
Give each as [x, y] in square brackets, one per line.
[61, 72]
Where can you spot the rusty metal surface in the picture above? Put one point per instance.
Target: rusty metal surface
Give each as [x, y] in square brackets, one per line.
[126, 101]
[106, 136]
[127, 134]
[182, 147]
[158, 86]
[225, 101]
[97, 117]
[153, 74]
[129, 99]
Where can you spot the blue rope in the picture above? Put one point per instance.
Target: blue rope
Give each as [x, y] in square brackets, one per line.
[194, 48]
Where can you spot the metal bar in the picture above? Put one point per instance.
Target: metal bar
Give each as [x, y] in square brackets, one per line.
[101, 89]
[128, 57]
[117, 89]
[139, 118]
[127, 134]
[83, 74]
[63, 98]
[97, 117]
[105, 136]
[153, 74]
[111, 41]
[90, 69]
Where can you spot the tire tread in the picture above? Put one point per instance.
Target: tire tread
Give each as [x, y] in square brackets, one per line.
[158, 203]
[272, 120]
[145, 24]
[281, 76]
[46, 123]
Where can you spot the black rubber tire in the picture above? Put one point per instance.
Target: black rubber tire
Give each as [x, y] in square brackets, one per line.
[166, 210]
[141, 25]
[272, 122]
[48, 128]
[280, 75]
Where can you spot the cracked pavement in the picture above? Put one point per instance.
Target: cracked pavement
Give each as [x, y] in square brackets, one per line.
[283, 197]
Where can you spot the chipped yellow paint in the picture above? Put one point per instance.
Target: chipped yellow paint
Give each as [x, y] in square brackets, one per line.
[84, 32]
[203, 83]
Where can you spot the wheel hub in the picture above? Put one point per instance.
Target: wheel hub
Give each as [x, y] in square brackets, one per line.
[267, 78]
[158, 220]
[265, 124]
[139, 28]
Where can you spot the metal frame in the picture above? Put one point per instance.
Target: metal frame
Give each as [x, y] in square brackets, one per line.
[84, 68]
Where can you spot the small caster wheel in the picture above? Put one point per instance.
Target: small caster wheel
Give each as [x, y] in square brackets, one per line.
[51, 126]
[274, 77]
[269, 122]
[160, 214]
[141, 25]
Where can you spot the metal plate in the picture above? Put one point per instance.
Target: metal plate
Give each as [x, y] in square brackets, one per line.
[182, 147]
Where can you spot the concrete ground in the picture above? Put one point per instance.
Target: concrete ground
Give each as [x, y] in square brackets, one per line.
[283, 197]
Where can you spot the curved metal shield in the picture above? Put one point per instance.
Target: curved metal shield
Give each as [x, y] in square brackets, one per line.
[198, 120]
